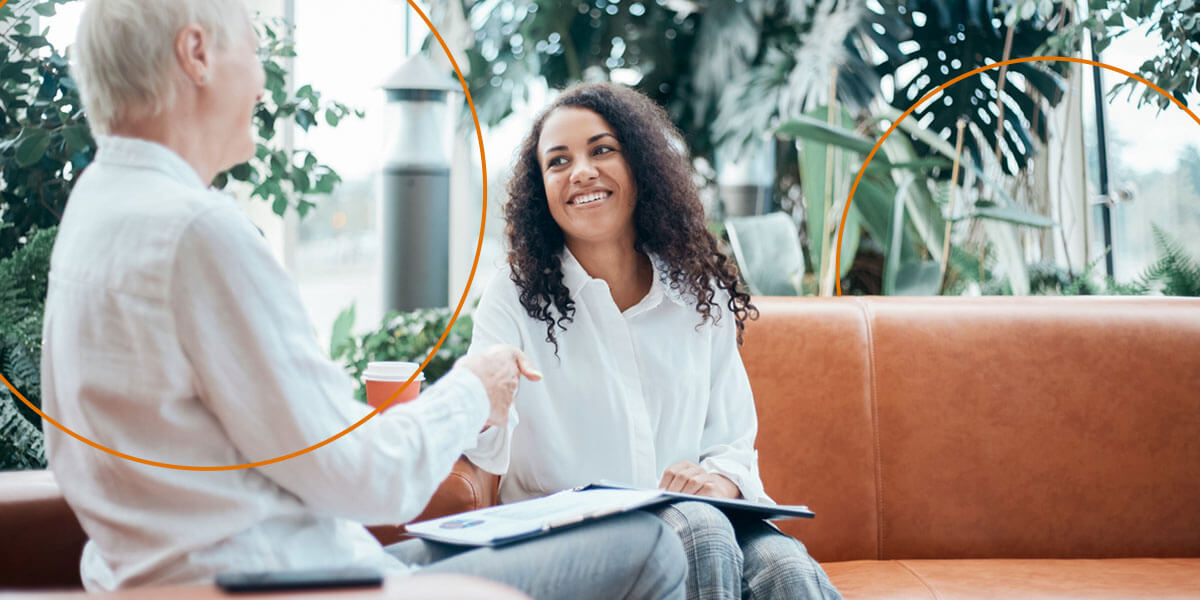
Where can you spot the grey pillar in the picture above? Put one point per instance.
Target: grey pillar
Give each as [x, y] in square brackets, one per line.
[415, 209]
[415, 214]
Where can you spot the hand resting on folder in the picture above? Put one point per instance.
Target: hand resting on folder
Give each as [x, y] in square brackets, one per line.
[687, 477]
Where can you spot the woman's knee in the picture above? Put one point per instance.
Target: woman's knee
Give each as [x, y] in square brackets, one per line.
[701, 524]
[666, 562]
[778, 566]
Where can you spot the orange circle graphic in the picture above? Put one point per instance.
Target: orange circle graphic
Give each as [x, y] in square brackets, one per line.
[438, 345]
[923, 99]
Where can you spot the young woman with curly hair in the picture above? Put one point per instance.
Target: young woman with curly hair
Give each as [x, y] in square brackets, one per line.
[618, 291]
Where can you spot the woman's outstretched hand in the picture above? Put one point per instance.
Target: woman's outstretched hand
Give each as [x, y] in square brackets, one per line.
[688, 477]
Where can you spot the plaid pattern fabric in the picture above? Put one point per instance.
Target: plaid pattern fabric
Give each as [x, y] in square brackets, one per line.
[747, 559]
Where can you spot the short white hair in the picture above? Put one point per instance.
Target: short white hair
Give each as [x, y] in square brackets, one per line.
[124, 52]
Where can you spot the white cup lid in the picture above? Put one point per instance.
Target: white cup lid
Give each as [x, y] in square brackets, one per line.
[392, 371]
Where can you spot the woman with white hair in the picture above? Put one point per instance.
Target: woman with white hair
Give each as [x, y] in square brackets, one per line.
[172, 334]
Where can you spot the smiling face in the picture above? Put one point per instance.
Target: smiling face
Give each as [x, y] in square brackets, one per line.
[589, 186]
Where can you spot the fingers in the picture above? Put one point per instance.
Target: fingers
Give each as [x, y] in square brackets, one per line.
[685, 477]
[693, 484]
[525, 366]
[668, 477]
[510, 355]
[671, 480]
[668, 482]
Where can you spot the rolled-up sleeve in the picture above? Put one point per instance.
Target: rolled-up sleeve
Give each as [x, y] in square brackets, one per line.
[260, 371]
[494, 325]
[731, 425]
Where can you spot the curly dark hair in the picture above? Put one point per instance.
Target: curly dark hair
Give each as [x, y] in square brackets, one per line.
[668, 217]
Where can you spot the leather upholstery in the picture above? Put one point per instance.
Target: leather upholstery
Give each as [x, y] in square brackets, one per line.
[467, 488]
[1079, 421]
[807, 362]
[40, 539]
[972, 579]
[982, 427]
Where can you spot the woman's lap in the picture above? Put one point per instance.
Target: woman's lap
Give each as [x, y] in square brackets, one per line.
[768, 563]
[710, 543]
[627, 555]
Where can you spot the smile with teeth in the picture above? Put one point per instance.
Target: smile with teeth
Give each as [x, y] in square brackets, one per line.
[589, 198]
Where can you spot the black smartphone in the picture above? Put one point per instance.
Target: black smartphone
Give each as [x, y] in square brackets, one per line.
[301, 579]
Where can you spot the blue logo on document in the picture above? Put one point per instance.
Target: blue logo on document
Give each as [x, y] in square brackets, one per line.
[461, 523]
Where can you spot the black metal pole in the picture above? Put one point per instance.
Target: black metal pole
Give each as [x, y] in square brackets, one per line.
[1102, 139]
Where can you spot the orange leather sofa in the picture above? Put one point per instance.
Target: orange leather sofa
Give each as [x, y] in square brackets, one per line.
[951, 448]
[957, 448]
[986, 447]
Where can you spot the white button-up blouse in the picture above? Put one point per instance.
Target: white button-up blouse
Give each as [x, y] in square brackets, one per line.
[172, 334]
[628, 395]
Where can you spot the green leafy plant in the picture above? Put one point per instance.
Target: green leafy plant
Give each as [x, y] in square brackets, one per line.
[44, 138]
[22, 445]
[952, 38]
[286, 180]
[899, 203]
[1176, 271]
[405, 336]
[683, 55]
[23, 282]
[1175, 67]
[518, 42]
[1173, 273]
[45, 142]
[734, 71]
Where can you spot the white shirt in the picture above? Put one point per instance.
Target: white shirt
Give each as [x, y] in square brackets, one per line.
[628, 395]
[172, 334]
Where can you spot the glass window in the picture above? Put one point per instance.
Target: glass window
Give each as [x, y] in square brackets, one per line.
[1154, 164]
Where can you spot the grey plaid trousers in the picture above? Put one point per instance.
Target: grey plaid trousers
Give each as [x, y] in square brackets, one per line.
[747, 559]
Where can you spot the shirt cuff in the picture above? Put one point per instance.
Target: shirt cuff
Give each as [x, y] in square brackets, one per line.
[746, 478]
[491, 452]
[468, 402]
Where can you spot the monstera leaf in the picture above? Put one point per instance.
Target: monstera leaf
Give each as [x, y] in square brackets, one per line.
[928, 43]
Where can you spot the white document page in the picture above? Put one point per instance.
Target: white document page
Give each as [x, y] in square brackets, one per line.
[518, 519]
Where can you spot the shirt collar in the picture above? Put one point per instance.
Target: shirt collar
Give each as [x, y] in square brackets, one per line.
[576, 278]
[138, 153]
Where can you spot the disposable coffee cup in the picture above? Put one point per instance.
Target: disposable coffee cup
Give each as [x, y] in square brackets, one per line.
[385, 377]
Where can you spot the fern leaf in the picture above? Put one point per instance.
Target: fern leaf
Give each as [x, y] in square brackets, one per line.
[22, 446]
[1175, 269]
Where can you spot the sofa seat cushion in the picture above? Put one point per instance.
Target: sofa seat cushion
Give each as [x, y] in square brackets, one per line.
[1017, 578]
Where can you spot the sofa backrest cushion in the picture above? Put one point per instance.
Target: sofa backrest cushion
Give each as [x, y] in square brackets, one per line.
[808, 369]
[988, 427]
